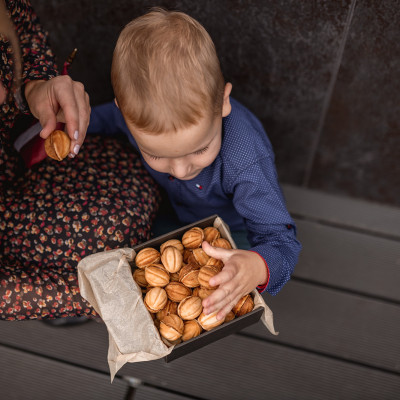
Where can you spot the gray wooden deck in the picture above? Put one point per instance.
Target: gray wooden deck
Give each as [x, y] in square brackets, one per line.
[338, 318]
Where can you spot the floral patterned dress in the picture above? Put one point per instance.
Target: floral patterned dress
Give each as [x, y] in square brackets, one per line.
[56, 213]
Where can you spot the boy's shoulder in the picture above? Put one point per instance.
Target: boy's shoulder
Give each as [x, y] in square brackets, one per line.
[244, 138]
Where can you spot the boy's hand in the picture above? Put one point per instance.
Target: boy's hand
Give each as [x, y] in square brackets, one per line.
[243, 271]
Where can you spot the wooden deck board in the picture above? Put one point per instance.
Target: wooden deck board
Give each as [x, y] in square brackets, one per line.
[344, 211]
[335, 323]
[240, 368]
[151, 393]
[351, 260]
[235, 367]
[85, 344]
[29, 376]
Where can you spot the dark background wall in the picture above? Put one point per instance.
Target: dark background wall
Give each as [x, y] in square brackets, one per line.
[323, 77]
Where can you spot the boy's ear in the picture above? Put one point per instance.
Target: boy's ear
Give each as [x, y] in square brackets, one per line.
[116, 102]
[226, 105]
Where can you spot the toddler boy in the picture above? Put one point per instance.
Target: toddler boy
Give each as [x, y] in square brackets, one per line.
[210, 154]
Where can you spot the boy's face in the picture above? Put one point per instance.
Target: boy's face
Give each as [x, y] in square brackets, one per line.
[185, 153]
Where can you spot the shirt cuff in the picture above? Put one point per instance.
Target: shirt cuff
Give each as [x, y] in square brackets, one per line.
[263, 287]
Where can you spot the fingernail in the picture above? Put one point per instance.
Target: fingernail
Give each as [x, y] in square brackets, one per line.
[71, 155]
[76, 135]
[76, 149]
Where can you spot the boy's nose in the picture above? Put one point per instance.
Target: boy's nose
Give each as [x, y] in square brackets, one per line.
[179, 169]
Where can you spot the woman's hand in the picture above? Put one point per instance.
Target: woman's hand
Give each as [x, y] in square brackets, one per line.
[60, 100]
[243, 271]
[3, 94]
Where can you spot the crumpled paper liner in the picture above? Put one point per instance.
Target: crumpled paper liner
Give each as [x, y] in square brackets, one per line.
[106, 282]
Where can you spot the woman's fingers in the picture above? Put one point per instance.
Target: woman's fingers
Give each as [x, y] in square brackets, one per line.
[48, 120]
[84, 113]
[64, 100]
[74, 103]
[82, 101]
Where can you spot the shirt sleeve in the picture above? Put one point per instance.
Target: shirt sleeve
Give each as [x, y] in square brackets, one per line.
[107, 120]
[271, 231]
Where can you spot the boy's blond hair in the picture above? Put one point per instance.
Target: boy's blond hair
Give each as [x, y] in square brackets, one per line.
[165, 72]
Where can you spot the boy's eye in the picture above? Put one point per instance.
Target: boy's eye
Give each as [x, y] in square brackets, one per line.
[202, 150]
[196, 152]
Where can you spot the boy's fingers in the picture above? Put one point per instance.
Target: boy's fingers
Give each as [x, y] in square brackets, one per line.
[224, 311]
[211, 301]
[223, 306]
[226, 275]
[216, 252]
[223, 295]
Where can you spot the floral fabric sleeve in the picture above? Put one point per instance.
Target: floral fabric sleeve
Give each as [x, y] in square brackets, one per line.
[38, 59]
[38, 63]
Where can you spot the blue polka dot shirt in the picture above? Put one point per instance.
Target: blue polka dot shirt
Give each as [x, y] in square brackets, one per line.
[241, 186]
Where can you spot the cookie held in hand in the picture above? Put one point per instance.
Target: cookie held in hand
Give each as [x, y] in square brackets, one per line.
[57, 145]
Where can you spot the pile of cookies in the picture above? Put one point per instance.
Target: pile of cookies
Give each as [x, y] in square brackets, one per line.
[175, 280]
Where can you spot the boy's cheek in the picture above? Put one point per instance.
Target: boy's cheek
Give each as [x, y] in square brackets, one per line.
[208, 160]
